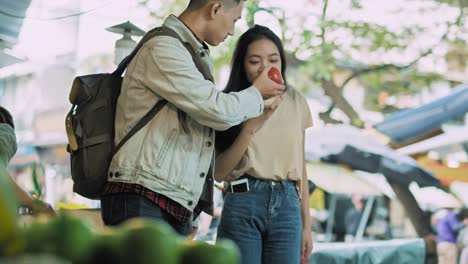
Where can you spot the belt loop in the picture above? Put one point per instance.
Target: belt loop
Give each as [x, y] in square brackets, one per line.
[252, 183]
[283, 185]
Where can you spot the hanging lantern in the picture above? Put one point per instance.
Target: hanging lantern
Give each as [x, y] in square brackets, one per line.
[125, 45]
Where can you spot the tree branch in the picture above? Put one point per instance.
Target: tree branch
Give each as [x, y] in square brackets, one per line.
[377, 68]
[326, 116]
[322, 21]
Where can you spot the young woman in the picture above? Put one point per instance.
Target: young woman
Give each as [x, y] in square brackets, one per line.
[266, 210]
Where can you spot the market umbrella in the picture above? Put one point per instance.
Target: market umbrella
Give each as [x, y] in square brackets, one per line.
[413, 124]
[344, 144]
[339, 179]
[432, 199]
[460, 189]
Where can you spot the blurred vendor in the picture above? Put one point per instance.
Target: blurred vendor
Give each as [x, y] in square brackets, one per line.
[8, 147]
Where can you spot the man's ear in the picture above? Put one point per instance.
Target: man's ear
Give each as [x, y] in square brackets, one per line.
[215, 8]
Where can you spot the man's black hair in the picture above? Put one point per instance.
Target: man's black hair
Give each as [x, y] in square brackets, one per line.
[196, 4]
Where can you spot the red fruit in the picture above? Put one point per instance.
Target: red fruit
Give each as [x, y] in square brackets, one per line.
[275, 75]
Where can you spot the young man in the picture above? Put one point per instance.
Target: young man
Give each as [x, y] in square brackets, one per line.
[165, 170]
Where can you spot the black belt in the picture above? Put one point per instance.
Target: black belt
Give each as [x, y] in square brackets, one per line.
[246, 185]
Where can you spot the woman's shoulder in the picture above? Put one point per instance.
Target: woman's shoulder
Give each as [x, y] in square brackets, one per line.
[295, 95]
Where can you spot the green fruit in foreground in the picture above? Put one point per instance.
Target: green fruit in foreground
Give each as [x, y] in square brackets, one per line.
[149, 241]
[34, 259]
[8, 216]
[225, 251]
[106, 249]
[65, 236]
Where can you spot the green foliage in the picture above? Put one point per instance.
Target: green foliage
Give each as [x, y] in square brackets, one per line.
[165, 8]
[222, 54]
[458, 3]
[356, 4]
[395, 82]
[457, 56]
[321, 65]
[372, 37]
[37, 173]
[251, 8]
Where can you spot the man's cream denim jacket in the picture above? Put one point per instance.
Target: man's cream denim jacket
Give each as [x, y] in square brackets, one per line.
[162, 156]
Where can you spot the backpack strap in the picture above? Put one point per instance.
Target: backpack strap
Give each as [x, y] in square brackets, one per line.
[159, 31]
[159, 105]
[164, 31]
[205, 71]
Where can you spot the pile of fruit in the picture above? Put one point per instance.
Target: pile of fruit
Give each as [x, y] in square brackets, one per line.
[68, 239]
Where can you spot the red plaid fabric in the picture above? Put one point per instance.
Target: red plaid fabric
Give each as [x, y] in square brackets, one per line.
[181, 213]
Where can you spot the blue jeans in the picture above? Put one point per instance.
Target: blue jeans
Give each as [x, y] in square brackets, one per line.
[264, 222]
[117, 208]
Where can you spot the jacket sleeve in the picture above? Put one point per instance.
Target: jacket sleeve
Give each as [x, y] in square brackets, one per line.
[184, 86]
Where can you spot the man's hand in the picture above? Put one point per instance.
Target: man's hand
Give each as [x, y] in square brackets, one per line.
[306, 249]
[266, 86]
[253, 125]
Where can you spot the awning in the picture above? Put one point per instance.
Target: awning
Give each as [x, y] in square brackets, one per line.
[11, 19]
[339, 179]
[414, 124]
[12, 14]
[452, 137]
[432, 198]
[460, 189]
[7, 59]
[347, 145]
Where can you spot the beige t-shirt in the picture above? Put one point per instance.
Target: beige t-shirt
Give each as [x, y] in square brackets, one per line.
[276, 150]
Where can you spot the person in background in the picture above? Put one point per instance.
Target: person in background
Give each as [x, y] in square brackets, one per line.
[462, 241]
[353, 217]
[447, 228]
[266, 207]
[8, 147]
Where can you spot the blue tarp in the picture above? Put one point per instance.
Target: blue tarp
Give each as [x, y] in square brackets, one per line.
[409, 125]
[410, 251]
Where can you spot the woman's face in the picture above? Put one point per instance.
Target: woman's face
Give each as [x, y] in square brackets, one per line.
[261, 53]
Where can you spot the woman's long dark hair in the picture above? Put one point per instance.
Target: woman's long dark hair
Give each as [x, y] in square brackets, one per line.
[238, 77]
[5, 117]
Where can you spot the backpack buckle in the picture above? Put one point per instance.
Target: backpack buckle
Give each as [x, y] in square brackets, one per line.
[71, 136]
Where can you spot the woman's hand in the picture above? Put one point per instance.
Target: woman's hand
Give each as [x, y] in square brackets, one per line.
[306, 249]
[251, 126]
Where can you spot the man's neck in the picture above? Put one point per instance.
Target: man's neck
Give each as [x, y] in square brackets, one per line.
[195, 23]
